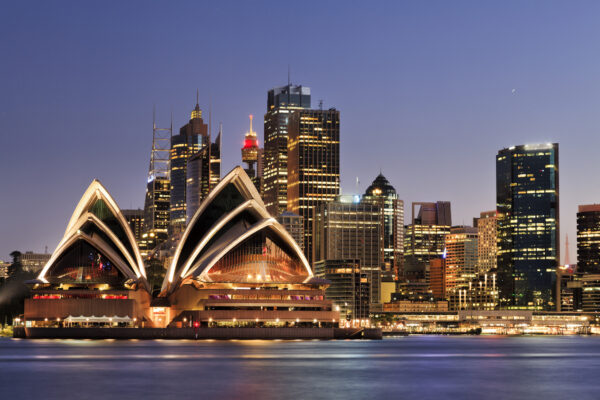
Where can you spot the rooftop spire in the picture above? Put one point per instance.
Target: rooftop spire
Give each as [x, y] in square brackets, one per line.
[251, 117]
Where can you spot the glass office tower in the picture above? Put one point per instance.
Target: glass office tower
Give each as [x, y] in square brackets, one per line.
[281, 102]
[527, 194]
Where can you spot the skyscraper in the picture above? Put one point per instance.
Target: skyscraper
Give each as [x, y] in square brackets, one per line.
[313, 165]
[486, 225]
[348, 230]
[424, 237]
[461, 257]
[527, 197]
[281, 101]
[191, 137]
[588, 239]
[294, 224]
[203, 173]
[382, 193]
[158, 191]
[135, 219]
[194, 147]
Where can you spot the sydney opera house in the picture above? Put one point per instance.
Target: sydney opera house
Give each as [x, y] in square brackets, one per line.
[234, 266]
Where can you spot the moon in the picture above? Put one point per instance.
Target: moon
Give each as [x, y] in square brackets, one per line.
[514, 91]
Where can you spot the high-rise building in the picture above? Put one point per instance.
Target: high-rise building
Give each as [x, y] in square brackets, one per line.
[135, 219]
[486, 225]
[424, 238]
[313, 165]
[527, 197]
[437, 277]
[157, 201]
[203, 174]
[461, 257]
[345, 230]
[349, 287]
[281, 101]
[294, 224]
[588, 239]
[382, 193]
[193, 145]
[250, 155]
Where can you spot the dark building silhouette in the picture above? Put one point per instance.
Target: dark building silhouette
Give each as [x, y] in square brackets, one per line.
[527, 193]
[588, 239]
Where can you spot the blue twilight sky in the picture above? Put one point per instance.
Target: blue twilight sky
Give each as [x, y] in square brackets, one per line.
[425, 90]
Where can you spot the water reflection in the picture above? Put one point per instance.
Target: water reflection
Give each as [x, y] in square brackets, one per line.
[409, 367]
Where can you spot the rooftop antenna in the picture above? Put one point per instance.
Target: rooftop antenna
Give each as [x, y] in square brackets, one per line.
[197, 97]
[289, 75]
[357, 183]
[321, 105]
[210, 116]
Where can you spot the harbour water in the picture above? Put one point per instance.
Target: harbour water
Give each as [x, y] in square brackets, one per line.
[414, 367]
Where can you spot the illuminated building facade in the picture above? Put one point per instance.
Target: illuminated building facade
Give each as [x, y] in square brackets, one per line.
[203, 173]
[157, 202]
[192, 144]
[461, 257]
[568, 288]
[135, 219]
[281, 101]
[527, 193]
[345, 230]
[294, 224]
[33, 262]
[4, 269]
[487, 227]
[590, 292]
[382, 193]
[424, 238]
[349, 287]
[588, 239]
[313, 166]
[235, 265]
[437, 277]
[96, 276]
[480, 293]
[156, 214]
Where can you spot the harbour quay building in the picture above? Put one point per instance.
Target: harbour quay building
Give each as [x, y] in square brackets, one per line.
[235, 266]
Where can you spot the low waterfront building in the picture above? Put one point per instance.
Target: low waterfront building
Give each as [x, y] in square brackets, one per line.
[404, 306]
[501, 322]
[96, 276]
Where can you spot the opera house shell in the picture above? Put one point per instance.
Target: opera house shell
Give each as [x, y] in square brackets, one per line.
[235, 265]
[96, 275]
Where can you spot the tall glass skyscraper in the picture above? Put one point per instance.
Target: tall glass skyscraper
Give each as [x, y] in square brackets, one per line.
[382, 193]
[195, 162]
[281, 102]
[588, 239]
[527, 194]
[313, 165]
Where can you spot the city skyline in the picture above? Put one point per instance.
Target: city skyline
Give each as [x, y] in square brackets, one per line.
[56, 129]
